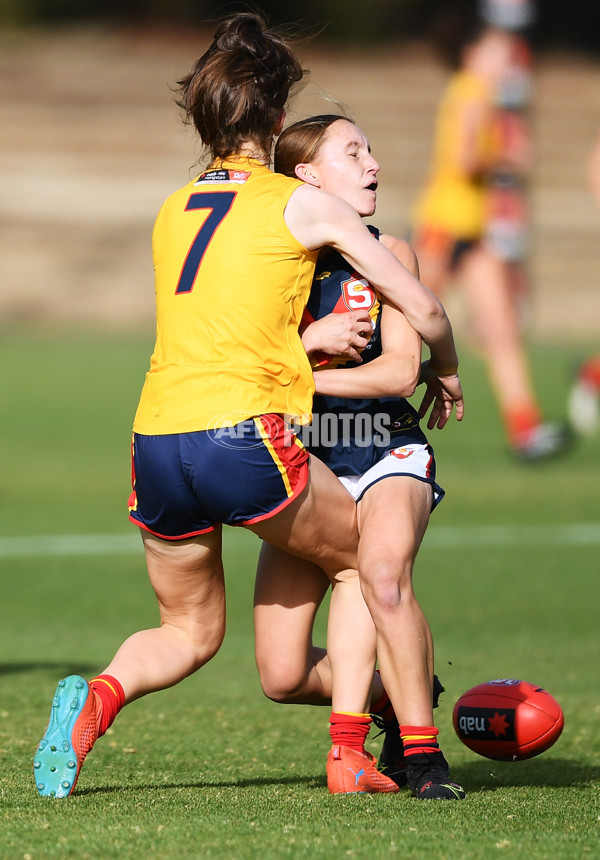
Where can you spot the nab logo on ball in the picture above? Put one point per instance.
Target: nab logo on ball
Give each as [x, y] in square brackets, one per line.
[487, 724]
[507, 719]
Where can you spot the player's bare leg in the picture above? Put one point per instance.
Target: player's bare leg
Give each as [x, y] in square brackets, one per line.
[287, 596]
[320, 526]
[187, 577]
[488, 287]
[393, 517]
[188, 580]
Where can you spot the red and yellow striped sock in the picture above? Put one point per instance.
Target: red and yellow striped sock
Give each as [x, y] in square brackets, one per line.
[419, 739]
[110, 697]
[349, 730]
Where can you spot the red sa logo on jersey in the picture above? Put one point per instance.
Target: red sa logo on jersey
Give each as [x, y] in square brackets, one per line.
[358, 294]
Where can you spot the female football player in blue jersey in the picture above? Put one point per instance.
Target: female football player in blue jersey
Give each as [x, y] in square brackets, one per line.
[369, 435]
[234, 255]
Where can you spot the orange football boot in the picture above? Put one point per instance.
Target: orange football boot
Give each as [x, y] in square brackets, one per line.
[353, 772]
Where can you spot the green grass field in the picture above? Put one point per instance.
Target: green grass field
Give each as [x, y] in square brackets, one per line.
[508, 576]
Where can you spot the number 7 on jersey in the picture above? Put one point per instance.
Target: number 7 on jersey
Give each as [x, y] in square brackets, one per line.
[219, 203]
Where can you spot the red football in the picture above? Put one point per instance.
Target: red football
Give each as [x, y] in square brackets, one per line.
[507, 720]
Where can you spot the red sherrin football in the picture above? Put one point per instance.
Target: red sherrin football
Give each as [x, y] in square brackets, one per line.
[507, 720]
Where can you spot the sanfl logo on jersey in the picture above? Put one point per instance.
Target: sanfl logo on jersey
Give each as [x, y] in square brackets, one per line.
[358, 294]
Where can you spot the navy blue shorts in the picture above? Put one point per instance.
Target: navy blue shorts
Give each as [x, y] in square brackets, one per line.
[186, 483]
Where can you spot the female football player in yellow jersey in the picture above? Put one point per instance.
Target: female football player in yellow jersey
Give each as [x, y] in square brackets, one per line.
[451, 234]
[234, 255]
[391, 478]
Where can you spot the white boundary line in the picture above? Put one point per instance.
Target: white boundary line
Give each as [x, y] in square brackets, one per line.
[46, 545]
[445, 537]
[571, 535]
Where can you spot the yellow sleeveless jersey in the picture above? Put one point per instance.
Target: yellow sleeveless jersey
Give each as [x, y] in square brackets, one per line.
[451, 200]
[231, 285]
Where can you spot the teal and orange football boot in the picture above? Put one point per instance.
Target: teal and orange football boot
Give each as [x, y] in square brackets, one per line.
[72, 732]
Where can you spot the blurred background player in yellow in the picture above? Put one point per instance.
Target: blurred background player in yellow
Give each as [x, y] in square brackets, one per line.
[469, 222]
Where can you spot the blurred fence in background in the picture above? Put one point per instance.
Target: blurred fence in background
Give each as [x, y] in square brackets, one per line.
[575, 24]
[91, 143]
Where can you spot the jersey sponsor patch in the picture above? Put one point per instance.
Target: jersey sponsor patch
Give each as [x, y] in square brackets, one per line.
[238, 177]
[404, 422]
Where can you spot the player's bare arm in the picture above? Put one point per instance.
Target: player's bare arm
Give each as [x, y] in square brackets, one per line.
[395, 373]
[317, 219]
[403, 250]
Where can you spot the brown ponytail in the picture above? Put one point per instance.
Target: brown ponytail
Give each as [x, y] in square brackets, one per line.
[237, 91]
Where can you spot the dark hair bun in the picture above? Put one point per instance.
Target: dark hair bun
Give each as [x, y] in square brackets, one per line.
[237, 90]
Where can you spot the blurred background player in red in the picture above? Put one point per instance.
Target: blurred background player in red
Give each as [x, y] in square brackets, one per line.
[469, 224]
[584, 397]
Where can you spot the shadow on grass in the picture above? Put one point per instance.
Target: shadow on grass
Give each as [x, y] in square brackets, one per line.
[58, 669]
[475, 777]
[317, 782]
[491, 775]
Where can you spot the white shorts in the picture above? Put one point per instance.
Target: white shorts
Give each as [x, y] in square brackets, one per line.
[414, 461]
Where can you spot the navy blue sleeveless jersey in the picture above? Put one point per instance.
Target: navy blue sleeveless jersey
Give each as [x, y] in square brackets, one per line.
[351, 434]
